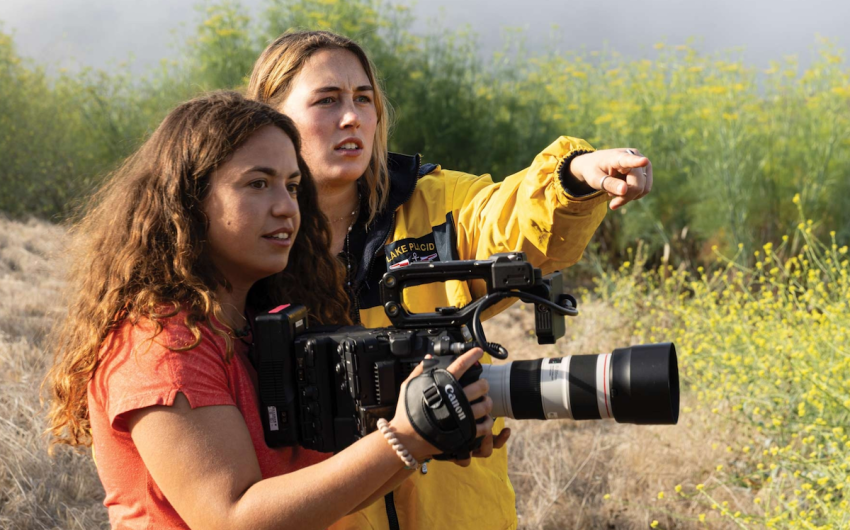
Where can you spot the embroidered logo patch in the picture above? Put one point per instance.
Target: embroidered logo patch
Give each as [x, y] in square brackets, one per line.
[411, 250]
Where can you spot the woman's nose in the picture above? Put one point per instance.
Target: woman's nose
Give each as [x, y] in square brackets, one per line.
[285, 204]
[350, 118]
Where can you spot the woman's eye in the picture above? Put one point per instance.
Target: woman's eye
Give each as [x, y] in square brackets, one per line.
[258, 184]
[325, 101]
[364, 99]
[293, 188]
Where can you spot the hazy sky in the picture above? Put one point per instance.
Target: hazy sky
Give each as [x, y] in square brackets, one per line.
[95, 32]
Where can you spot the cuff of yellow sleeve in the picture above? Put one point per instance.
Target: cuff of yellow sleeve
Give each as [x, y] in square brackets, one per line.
[577, 203]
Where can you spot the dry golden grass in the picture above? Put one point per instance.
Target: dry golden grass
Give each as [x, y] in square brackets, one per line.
[36, 491]
[561, 470]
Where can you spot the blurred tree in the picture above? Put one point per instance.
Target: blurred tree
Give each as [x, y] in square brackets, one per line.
[730, 146]
[224, 48]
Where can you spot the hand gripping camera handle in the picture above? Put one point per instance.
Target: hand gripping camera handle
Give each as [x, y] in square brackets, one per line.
[439, 411]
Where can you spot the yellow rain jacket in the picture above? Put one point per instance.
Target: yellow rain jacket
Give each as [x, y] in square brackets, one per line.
[440, 215]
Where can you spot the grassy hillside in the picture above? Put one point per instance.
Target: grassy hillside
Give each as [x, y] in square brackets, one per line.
[761, 442]
[561, 470]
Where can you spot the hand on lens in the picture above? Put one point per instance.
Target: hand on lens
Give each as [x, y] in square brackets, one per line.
[473, 391]
[480, 410]
[421, 449]
[624, 173]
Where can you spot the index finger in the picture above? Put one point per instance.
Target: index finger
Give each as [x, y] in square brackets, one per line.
[629, 160]
[465, 362]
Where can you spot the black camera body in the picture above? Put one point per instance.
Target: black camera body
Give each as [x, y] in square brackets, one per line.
[325, 387]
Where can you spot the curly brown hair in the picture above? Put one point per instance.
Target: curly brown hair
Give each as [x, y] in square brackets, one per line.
[139, 249]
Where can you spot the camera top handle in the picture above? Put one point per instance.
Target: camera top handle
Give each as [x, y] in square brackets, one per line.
[507, 275]
[500, 272]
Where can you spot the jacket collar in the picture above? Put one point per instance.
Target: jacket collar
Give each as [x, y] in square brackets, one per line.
[404, 172]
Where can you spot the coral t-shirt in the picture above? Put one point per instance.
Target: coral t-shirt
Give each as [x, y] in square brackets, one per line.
[135, 372]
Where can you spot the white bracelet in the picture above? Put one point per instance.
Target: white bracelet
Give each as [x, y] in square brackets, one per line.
[392, 439]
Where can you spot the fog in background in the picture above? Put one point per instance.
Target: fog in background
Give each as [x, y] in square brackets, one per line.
[72, 33]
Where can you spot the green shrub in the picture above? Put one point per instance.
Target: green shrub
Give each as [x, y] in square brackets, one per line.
[728, 143]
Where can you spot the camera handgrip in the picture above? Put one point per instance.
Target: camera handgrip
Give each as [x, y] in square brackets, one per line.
[440, 412]
[470, 376]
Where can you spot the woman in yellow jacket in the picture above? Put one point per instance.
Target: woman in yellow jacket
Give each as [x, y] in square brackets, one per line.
[389, 210]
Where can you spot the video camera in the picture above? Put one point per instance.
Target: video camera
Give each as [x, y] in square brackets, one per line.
[324, 387]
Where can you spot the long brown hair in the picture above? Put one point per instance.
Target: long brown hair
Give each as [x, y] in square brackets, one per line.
[139, 250]
[282, 61]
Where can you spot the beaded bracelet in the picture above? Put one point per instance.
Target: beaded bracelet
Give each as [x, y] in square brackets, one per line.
[404, 454]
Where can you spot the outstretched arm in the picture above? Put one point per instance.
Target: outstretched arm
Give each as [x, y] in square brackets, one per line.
[204, 462]
[549, 210]
[530, 211]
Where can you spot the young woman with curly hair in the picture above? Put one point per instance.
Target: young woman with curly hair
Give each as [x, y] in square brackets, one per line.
[213, 218]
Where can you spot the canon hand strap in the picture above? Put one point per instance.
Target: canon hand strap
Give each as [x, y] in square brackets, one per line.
[439, 411]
